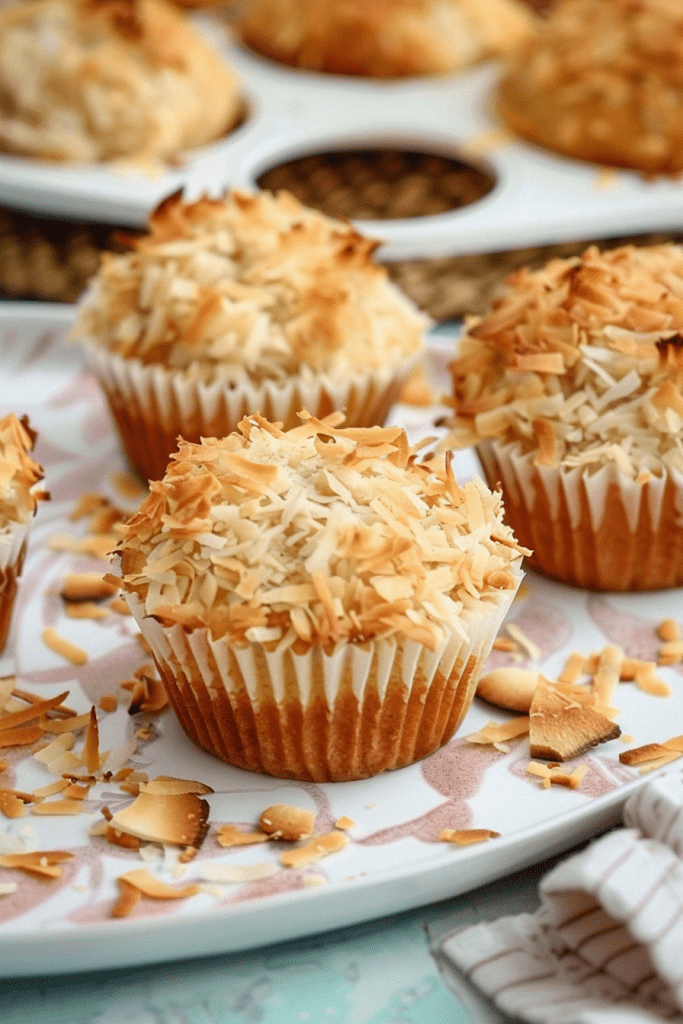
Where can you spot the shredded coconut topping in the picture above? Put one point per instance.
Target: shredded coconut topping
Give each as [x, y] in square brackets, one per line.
[18, 471]
[582, 362]
[84, 80]
[251, 284]
[319, 532]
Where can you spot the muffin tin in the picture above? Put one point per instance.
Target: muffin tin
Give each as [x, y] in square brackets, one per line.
[538, 198]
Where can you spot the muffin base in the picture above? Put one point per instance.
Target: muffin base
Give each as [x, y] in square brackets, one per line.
[599, 531]
[9, 576]
[320, 716]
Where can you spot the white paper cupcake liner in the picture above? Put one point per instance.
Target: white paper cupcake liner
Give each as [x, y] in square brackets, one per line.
[600, 530]
[322, 716]
[13, 539]
[153, 405]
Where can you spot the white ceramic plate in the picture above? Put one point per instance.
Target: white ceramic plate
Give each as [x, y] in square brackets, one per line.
[539, 198]
[394, 860]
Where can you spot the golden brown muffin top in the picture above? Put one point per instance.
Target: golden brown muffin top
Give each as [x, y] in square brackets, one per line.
[319, 533]
[18, 471]
[582, 360]
[383, 38]
[602, 79]
[93, 80]
[256, 285]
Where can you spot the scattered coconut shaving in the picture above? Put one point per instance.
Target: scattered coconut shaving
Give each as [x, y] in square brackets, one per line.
[467, 836]
[60, 645]
[314, 850]
[230, 835]
[563, 722]
[284, 821]
[180, 819]
[553, 774]
[40, 862]
[235, 873]
[147, 885]
[652, 756]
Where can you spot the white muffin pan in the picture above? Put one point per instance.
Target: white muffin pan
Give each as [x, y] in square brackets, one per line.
[538, 199]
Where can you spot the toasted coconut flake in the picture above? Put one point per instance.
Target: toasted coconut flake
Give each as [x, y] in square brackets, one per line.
[230, 835]
[149, 695]
[669, 629]
[39, 862]
[35, 711]
[553, 775]
[284, 821]
[510, 687]
[344, 823]
[235, 873]
[502, 643]
[55, 748]
[76, 792]
[7, 888]
[85, 610]
[154, 888]
[607, 674]
[119, 606]
[58, 807]
[167, 785]
[20, 737]
[573, 669]
[86, 586]
[563, 724]
[670, 653]
[652, 756]
[6, 689]
[11, 805]
[647, 680]
[108, 703]
[52, 787]
[180, 819]
[125, 839]
[91, 747]
[466, 836]
[129, 897]
[60, 645]
[128, 486]
[494, 732]
[314, 850]
[66, 762]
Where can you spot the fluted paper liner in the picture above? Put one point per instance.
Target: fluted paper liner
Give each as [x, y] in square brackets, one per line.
[12, 550]
[153, 405]
[599, 530]
[322, 716]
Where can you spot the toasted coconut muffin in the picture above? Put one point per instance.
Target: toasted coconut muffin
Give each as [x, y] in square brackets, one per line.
[602, 80]
[252, 303]
[385, 38]
[318, 601]
[571, 387]
[102, 80]
[19, 496]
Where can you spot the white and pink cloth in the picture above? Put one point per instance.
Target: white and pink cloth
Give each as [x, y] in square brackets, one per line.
[606, 944]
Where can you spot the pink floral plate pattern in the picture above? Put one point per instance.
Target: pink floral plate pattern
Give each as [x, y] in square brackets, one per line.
[394, 859]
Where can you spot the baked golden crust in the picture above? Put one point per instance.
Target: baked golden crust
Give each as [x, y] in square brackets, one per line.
[322, 533]
[602, 80]
[256, 287]
[384, 38]
[103, 80]
[582, 363]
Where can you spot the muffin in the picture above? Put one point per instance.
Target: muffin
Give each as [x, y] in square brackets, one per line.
[19, 496]
[602, 80]
[252, 303]
[318, 601]
[385, 38]
[571, 389]
[105, 80]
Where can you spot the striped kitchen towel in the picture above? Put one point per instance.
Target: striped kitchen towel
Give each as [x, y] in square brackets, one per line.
[606, 945]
